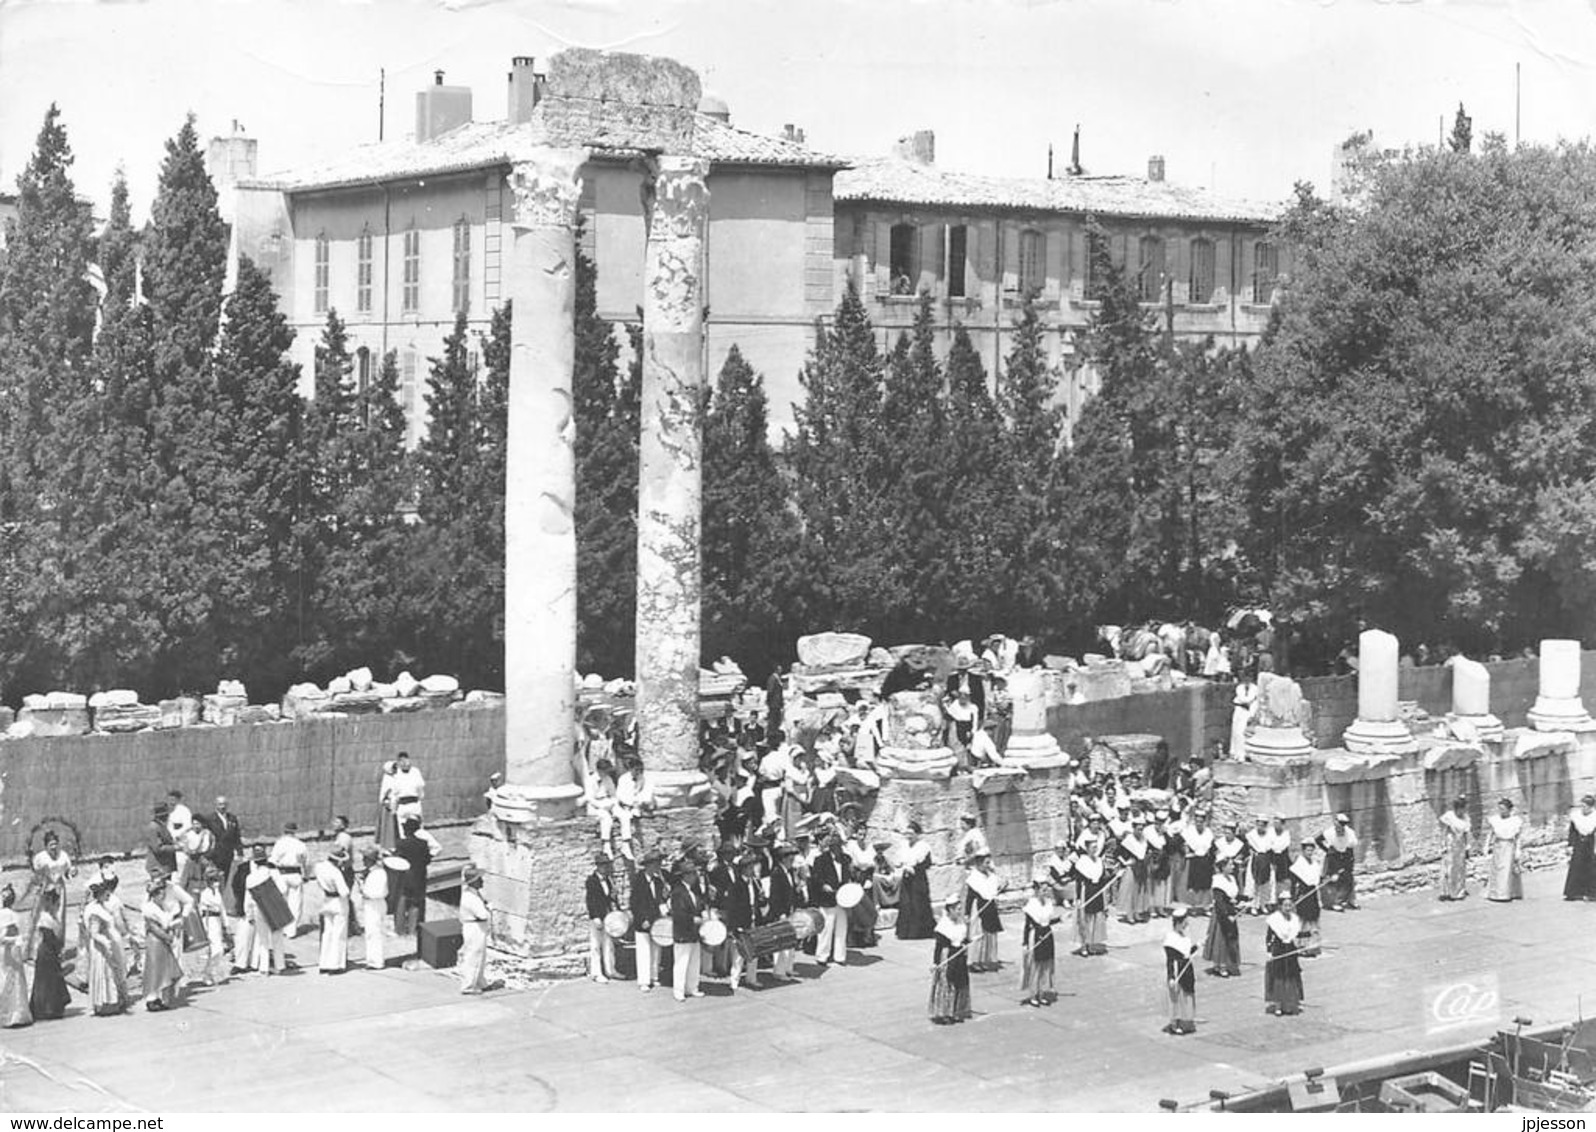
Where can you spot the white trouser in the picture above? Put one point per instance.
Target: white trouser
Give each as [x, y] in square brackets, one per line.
[294, 893]
[833, 944]
[244, 942]
[781, 963]
[647, 959]
[608, 820]
[689, 959]
[741, 970]
[600, 951]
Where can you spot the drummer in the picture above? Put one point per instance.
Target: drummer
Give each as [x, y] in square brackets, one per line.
[600, 903]
[744, 908]
[688, 909]
[650, 897]
[786, 891]
[257, 946]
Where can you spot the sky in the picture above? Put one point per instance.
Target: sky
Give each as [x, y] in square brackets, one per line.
[1244, 96]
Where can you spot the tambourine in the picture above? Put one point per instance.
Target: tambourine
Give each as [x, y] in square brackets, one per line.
[617, 924]
[712, 933]
[849, 895]
[661, 933]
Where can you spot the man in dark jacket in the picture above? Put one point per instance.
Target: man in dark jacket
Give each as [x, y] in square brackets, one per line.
[227, 841]
[600, 903]
[829, 874]
[783, 902]
[688, 909]
[160, 850]
[745, 905]
[650, 893]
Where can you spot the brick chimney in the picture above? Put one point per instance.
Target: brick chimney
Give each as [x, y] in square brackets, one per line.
[526, 87]
[792, 133]
[919, 147]
[440, 108]
[1155, 167]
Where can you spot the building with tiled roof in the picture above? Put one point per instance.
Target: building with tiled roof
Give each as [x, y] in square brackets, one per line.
[399, 236]
[977, 243]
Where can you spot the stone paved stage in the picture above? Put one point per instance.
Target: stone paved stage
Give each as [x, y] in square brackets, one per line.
[854, 1038]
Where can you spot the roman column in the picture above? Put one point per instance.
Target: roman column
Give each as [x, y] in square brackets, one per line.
[1471, 698]
[540, 493]
[675, 209]
[1031, 745]
[1557, 704]
[1378, 730]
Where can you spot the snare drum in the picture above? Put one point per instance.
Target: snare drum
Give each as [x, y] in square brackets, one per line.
[712, 933]
[272, 903]
[768, 939]
[849, 895]
[807, 923]
[617, 924]
[661, 933]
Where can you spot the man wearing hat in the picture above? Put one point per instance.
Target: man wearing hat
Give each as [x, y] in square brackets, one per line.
[828, 874]
[744, 908]
[329, 876]
[600, 903]
[257, 945]
[1340, 845]
[785, 888]
[688, 909]
[474, 913]
[374, 907]
[650, 900]
[291, 858]
[160, 851]
[1180, 975]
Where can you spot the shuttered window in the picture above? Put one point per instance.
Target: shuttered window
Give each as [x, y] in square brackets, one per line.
[1202, 270]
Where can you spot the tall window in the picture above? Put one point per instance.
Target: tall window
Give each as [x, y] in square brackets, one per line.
[411, 300]
[1098, 262]
[1150, 272]
[363, 272]
[323, 272]
[1033, 261]
[1202, 270]
[1265, 271]
[958, 251]
[905, 263]
[462, 266]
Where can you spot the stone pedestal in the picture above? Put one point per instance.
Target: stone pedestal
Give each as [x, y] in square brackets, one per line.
[1471, 700]
[669, 597]
[1030, 743]
[1558, 706]
[1378, 730]
[1277, 733]
[914, 739]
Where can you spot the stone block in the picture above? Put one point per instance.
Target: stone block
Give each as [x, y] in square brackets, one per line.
[439, 684]
[46, 722]
[222, 711]
[119, 720]
[354, 703]
[117, 697]
[616, 100]
[303, 701]
[182, 711]
[360, 679]
[402, 704]
[833, 650]
[1107, 682]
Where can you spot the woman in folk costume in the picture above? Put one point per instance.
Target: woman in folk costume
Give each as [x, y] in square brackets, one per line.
[1222, 948]
[980, 902]
[1060, 873]
[51, 868]
[162, 933]
[1581, 881]
[1307, 874]
[1507, 881]
[1041, 913]
[108, 993]
[1282, 973]
[950, 966]
[1242, 704]
[1175, 851]
[474, 912]
[49, 998]
[1340, 845]
[14, 1010]
[1180, 975]
[374, 908]
[1260, 883]
[1093, 880]
[1197, 843]
[212, 910]
[1455, 858]
[915, 918]
[1159, 874]
[387, 823]
[1135, 893]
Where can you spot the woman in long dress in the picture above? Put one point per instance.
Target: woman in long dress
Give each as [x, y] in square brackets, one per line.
[1240, 716]
[211, 911]
[950, 966]
[387, 823]
[1222, 947]
[162, 971]
[1180, 975]
[1041, 913]
[1197, 843]
[1581, 881]
[373, 909]
[108, 992]
[1135, 894]
[1093, 881]
[474, 935]
[1283, 972]
[1455, 858]
[14, 1010]
[915, 918]
[1507, 881]
[1307, 873]
[50, 996]
[981, 892]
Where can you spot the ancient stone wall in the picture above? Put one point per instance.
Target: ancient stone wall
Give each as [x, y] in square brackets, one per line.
[104, 785]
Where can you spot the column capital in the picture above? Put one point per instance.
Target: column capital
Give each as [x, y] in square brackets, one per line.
[547, 187]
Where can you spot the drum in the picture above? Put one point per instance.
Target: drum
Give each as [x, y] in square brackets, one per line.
[712, 933]
[617, 924]
[849, 895]
[807, 923]
[768, 939]
[272, 903]
[661, 933]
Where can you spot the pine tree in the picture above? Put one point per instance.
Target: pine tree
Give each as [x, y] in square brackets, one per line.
[977, 475]
[1462, 139]
[450, 445]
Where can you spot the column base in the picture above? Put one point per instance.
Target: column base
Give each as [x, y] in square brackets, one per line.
[934, 763]
[1487, 728]
[1379, 737]
[527, 805]
[673, 789]
[1033, 752]
[533, 878]
[1266, 744]
[1560, 714]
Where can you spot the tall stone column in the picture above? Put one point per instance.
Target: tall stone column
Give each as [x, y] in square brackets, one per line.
[1471, 698]
[1558, 706]
[1031, 745]
[1378, 730]
[669, 596]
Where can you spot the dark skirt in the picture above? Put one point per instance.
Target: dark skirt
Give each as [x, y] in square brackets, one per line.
[914, 905]
[1338, 890]
[50, 996]
[950, 992]
[1283, 985]
[1581, 881]
[1222, 948]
